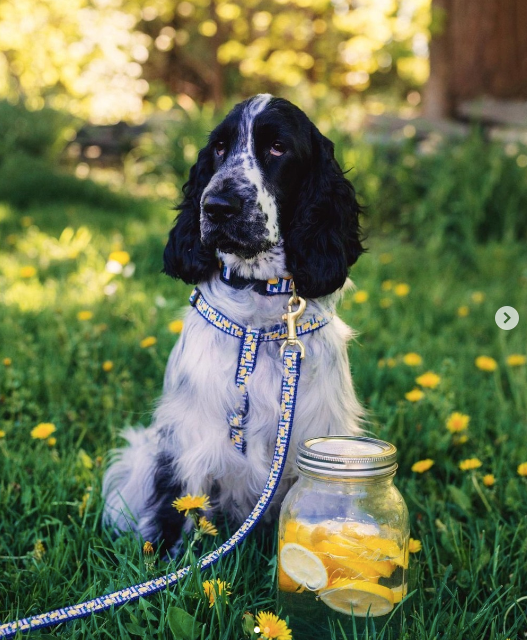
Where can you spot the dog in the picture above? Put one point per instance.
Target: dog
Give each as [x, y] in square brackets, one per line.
[266, 202]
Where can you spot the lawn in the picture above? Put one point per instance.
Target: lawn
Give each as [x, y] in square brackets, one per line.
[72, 354]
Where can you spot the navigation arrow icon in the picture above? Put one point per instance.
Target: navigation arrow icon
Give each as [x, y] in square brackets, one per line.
[507, 316]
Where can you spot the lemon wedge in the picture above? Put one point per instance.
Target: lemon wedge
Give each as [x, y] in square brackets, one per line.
[363, 598]
[303, 566]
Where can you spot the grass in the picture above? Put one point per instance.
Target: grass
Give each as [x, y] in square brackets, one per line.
[469, 578]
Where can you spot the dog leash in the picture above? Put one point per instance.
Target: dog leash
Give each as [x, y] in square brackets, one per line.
[291, 359]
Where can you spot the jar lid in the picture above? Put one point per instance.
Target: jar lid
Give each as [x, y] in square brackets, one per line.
[347, 456]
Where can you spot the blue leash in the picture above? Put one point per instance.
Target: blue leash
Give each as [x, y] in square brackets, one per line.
[290, 378]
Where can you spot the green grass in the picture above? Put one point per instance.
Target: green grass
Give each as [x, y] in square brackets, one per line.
[471, 571]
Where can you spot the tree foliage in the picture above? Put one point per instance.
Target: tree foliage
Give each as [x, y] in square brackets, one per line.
[104, 57]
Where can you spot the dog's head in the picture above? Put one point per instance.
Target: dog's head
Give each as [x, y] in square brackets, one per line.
[267, 178]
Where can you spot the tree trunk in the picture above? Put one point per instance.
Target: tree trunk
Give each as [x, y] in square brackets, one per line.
[481, 52]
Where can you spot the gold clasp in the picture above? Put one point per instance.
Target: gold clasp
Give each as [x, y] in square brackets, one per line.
[291, 317]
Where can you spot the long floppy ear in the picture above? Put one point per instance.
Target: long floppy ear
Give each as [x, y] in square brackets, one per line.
[185, 257]
[323, 238]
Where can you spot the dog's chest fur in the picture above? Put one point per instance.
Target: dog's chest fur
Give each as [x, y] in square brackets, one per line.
[200, 391]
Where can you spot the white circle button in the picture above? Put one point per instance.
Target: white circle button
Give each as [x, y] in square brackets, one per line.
[507, 318]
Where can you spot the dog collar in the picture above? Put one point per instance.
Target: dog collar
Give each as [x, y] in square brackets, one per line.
[270, 287]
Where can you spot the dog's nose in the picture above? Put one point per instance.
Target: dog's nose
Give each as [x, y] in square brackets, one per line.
[220, 208]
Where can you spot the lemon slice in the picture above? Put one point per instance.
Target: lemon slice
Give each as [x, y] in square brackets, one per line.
[303, 566]
[363, 598]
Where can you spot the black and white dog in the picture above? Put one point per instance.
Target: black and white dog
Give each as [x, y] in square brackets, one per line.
[267, 198]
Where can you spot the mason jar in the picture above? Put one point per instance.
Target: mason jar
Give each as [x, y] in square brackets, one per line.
[343, 541]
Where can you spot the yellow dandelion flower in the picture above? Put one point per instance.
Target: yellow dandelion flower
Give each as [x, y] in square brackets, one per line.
[422, 465]
[2, 434]
[52, 441]
[382, 363]
[107, 366]
[43, 430]
[85, 460]
[7, 362]
[148, 549]
[522, 469]
[385, 303]
[470, 464]
[214, 588]
[457, 422]
[39, 551]
[189, 503]
[271, 626]
[414, 395]
[478, 297]
[391, 362]
[122, 257]
[149, 341]
[486, 363]
[176, 326]
[207, 527]
[414, 545]
[84, 315]
[412, 359]
[402, 289]
[387, 285]
[489, 480]
[463, 311]
[385, 258]
[458, 440]
[516, 360]
[429, 380]
[360, 297]
[27, 272]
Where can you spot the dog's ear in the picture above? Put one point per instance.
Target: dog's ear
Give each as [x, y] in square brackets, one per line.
[185, 257]
[323, 237]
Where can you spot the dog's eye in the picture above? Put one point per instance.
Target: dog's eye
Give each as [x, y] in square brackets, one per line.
[277, 149]
[219, 148]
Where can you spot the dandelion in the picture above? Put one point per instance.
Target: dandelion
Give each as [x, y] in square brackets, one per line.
[516, 360]
[478, 297]
[385, 303]
[486, 363]
[176, 326]
[214, 588]
[122, 257]
[85, 460]
[148, 549]
[401, 289]
[422, 465]
[27, 272]
[382, 363]
[470, 464]
[84, 503]
[412, 359]
[150, 341]
[429, 380]
[387, 285]
[414, 395]
[522, 469]
[457, 422]
[489, 480]
[2, 434]
[360, 297]
[391, 362]
[51, 441]
[463, 311]
[107, 366]
[84, 315]
[7, 362]
[39, 551]
[414, 545]
[190, 503]
[43, 430]
[458, 440]
[271, 626]
[206, 527]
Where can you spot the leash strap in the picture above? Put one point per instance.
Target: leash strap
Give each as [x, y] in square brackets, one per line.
[290, 378]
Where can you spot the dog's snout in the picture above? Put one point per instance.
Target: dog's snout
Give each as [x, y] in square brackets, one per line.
[221, 207]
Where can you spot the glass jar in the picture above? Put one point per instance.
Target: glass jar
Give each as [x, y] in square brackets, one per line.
[343, 540]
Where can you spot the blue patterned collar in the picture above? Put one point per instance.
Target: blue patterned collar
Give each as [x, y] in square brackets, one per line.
[269, 287]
